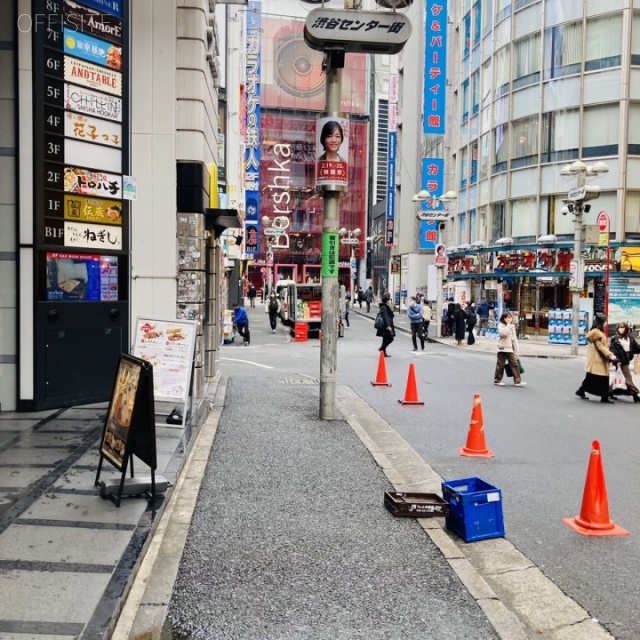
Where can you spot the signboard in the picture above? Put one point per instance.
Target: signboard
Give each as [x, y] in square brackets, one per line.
[576, 274]
[92, 76]
[92, 49]
[432, 209]
[361, 31]
[92, 236]
[129, 188]
[168, 345]
[603, 222]
[332, 147]
[85, 154]
[435, 68]
[92, 103]
[330, 254]
[440, 259]
[91, 183]
[86, 209]
[577, 194]
[74, 276]
[391, 187]
[89, 129]
[96, 23]
[110, 6]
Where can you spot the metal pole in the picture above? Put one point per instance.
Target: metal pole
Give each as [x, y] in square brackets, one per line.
[575, 302]
[329, 342]
[438, 313]
[607, 278]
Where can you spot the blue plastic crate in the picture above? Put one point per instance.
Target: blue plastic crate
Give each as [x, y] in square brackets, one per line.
[475, 511]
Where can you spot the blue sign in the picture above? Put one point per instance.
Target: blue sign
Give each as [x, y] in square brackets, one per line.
[252, 150]
[435, 69]
[91, 49]
[113, 7]
[433, 182]
[391, 187]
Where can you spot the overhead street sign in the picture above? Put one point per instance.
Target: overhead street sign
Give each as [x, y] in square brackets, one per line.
[588, 192]
[577, 194]
[356, 31]
[432, 215]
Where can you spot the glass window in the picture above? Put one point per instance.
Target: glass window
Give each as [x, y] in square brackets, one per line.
[526, 61]
[497, 221]
[600, 131]
[502, 59]
[503, 9]
[632, 214]
[477, 24]
[561, 224]
[487, 82]
[524, 142]
[467, 35]
[473, 224]
[561, 135]
[485, 148]
[465, 101]
[474, 162]
[635, 39]
[524, 217]
[464, 167]
[562, 50]
[603, 42]
[501, 146]
[475, 92]
[487, 15]
[634, 129]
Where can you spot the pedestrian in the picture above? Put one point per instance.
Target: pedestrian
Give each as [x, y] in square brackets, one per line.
[251, 293]
[414, 316]
[368, 298]
[472, 319]
[360, 297]
[596, 381]
[426, 319]
[241, 320]
[459, 323]
[272, 307]
[347, 304]
[507, 351]
[451, 307]
[388, 332]
[483, 317]
[624, 347]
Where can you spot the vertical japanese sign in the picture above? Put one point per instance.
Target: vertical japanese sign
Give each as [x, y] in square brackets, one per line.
[435, 68]
[391, 152]
[330, 254]
[252, 139]
[433, 182]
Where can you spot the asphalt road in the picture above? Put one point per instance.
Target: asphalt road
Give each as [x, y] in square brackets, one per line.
[541, 436]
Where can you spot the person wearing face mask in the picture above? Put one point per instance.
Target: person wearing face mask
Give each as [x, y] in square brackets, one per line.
[624, 346]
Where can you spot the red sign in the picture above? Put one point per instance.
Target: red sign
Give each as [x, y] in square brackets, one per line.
[603, 221]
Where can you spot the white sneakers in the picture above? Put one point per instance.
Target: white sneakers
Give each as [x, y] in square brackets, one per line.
[520, 384]
[499, 384]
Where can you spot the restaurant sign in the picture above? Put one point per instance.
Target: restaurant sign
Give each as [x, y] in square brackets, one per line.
[92, 76]
[92, 103]
[88, 129]
[81, 208]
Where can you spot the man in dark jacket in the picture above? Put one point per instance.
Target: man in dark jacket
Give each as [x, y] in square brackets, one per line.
[451, 307]
[241, 321]
[388, 331]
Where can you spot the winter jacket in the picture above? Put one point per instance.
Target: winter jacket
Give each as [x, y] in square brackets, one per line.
[507, 341]
[387, 316]
[240, 316]
[414, 313]
[598, 356]
[619, 352]
[426, 313]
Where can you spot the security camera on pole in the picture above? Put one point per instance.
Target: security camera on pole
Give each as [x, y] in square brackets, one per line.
[336, 32]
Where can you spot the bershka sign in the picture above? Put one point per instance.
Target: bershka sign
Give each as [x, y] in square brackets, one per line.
[86, 20]
[92, 76]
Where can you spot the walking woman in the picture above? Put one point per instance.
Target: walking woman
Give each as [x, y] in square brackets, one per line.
[624, 346]
[388, 332]
[507, 351]
[596, 381]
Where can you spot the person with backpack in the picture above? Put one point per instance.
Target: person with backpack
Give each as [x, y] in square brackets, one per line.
[241, 320]
[273, 309]
[385, 328]
[414, 316]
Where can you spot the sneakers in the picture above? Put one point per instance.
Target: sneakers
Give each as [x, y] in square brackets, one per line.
[246, 344]
[522, 383]
[273, 330]
[499, 384]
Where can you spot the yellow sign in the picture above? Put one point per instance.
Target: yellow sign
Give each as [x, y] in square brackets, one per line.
[603, 239]
[84, 209]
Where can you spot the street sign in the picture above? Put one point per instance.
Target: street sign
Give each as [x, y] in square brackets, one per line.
[432, 215]
[270, 231]
[603, 221]
[356, 31]
[349, 241]
[577, 194]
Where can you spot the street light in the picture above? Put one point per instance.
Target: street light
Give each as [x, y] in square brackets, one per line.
[575, 204]
[350, 238]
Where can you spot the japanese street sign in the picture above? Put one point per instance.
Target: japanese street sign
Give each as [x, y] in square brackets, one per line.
[603, 221]
[330, 254]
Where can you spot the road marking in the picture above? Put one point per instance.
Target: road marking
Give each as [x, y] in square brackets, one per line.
[255, 364]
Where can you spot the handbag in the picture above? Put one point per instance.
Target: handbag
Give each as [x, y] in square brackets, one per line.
[618, 383]
[509, 372]
[378, 322]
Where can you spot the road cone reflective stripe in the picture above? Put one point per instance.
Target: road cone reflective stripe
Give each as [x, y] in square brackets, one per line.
[381, 375]
[411, 392]
[594, 512]
[476, 445]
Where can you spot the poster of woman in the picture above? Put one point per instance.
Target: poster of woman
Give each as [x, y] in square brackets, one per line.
[332, 147]
[441, 259]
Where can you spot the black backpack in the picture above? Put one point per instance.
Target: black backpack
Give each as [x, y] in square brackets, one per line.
[273, 304]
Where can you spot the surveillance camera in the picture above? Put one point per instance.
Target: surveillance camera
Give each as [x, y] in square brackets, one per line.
[564, 210]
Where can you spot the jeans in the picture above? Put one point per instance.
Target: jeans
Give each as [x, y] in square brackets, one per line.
[243, 332]
[416, 332]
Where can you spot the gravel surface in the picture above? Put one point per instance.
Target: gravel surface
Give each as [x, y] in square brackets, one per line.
[290, 538]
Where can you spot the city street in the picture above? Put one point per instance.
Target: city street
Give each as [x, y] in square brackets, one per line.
[541, 436]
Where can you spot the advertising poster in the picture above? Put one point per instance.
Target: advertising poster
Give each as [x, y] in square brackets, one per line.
[624, 301]
[332, 147]
[440, 259]
[92, 103]
[92, 183]
[97, 23]
[116, 433]
[168, 345]
[92, 49]
[75, 276]
[89, 129]
[92, 76]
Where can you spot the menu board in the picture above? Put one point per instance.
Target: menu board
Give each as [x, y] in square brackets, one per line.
[168, 345]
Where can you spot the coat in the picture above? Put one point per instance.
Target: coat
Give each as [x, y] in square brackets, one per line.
[414, 313]
[387, 316]
[426, 313]
[507, 341]
[460, 319]
[598, 355]
[619, 352]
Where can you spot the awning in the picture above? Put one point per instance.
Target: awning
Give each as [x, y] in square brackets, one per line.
[217, 220]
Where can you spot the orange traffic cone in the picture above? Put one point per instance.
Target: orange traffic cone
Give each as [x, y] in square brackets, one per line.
[381, 376]
[594, 513]
[476, 445]
[411, 392]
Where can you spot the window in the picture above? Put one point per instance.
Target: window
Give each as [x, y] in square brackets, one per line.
[487, 82]
[635, 39]
[503, 9]
[526, 61]
[600, 131]
[475, 93]
[561, 135]
[603, 42]
[502, 59]
[632, 215]
[562, 50]
[474, 162]
[485, 147]
[524, 217]
[473, 224]
[476, 24]
[487, 15]
[462, 228]
[467, 35]
[524, 142]
[464, 167]
[465, 101]
[634, 129]
[497, 221]
[501, 146]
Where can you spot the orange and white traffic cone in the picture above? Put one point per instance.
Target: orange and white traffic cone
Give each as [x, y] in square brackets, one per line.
[476, 445]
[381, 375]
[594, 513]
[411, 392]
